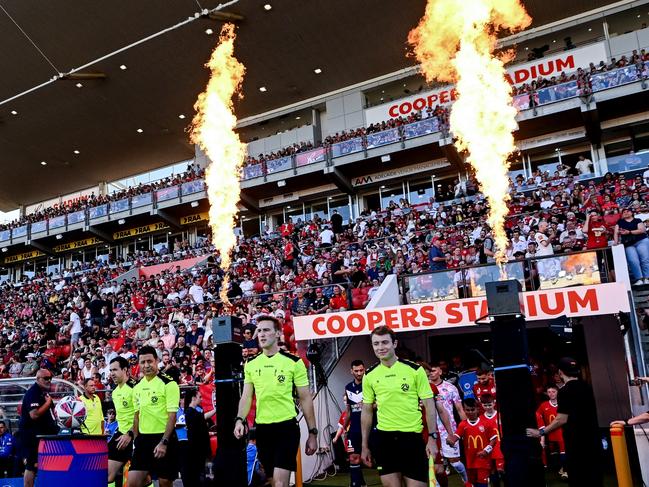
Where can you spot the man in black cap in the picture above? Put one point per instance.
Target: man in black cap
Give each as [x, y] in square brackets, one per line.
[577, 415]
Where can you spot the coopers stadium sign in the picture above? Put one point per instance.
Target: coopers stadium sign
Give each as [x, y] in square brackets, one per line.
[597, 299]
[517, 74]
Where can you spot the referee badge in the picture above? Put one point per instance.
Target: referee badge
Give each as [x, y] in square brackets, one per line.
[405, 387]
[281, 378]
[154, 399]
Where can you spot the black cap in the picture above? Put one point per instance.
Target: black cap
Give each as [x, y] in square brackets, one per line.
[569, 366]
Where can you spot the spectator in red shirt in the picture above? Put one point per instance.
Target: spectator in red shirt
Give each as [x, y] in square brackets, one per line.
[595, 231]
[338, 301]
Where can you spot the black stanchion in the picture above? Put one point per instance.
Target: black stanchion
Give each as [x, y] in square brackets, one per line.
[230, 461]
[516, 405]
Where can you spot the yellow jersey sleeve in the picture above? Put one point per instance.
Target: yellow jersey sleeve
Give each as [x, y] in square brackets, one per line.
[423, 386]
[300, 377]
[172, 395]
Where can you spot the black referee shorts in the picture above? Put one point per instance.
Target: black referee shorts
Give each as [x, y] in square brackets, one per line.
[144, 461]
[117, 455]
[398, 451]
[277, 445]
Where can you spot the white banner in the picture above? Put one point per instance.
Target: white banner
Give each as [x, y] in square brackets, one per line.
[546, 67]
[599, 299]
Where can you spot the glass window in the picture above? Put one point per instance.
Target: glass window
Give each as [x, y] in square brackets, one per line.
[342, 205]
[420, 192]
[295, 211]
[317, 209]
[250, 226]
[391, 193]
[143, 244]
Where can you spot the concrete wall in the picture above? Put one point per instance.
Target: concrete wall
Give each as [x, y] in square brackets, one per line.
[344, 112]
[624, 44]
[279, 141]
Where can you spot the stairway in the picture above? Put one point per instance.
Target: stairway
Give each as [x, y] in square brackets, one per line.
[641, 301]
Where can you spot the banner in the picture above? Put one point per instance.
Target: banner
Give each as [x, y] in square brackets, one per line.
[76, 217]
[57, 222]
[253, 171]
[86, 242]
[599, 299]
[306, 158]
[347, 147]
[398, 172]
[197, 217]
[277, 165]
[98, 211]
[132, 232]
[141, 200]
[24, 256]
[166, 193]
[517, 74]
[38, 227]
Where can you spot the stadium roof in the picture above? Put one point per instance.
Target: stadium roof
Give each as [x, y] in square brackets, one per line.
[349, 40]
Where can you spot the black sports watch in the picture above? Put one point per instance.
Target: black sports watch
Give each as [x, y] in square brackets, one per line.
[164, 441]
[313, 431]
[434, 435]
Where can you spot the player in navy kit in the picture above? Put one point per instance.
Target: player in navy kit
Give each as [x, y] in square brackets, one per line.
[354, 401]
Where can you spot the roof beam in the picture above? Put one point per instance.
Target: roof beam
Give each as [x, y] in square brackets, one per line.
[171, 220]
[106, 237]
[41, 247]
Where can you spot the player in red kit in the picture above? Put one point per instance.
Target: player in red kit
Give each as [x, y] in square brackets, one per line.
[497, 458]
[485, 385]
[479, 438]
[545, 414]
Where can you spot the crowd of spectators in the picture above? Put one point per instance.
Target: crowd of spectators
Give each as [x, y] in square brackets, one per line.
[582, 75]
[193, 172]
[302, 267]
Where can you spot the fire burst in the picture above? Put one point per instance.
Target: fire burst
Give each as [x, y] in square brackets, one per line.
[213, 130]
[454, 42]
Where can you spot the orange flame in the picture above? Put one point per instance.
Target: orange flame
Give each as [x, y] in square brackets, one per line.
[213, 130]
[454, 42]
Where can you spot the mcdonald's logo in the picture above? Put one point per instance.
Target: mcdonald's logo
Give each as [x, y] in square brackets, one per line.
[551, 418]
[474, 440]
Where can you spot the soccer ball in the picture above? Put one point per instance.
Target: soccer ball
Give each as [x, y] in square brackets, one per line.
[70, 412]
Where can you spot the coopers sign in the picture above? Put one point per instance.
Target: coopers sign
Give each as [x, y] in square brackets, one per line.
[517, 74]
[598, 299]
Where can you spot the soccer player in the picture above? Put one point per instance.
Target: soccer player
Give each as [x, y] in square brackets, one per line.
[353, 399]
[546, 413]
[396, 386]
[120, 446]
[449, 397]
[497, 457]
[478, 438]
[94, 423]
[155, 399]
[271, 376]
[485, 385]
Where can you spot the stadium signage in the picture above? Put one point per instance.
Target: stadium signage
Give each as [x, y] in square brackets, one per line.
[86, 242]
[398, 172]
[198, 217]
[519, 73]
[133, 232]
[24, 256]
[597, 299]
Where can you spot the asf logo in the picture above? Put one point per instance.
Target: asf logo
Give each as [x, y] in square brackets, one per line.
[125, 404]
[154, 399]
[281, 379]
[405, 387]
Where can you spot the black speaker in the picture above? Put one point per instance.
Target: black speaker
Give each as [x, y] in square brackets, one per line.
[227, 329]
[502, 297]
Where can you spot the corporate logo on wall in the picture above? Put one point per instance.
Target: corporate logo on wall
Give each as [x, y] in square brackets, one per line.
[398, 172]
[547, 67]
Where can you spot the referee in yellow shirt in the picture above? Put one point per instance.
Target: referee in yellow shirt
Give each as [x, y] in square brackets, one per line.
[94, 424]
[397, 386]
[271, 376]
[155, 398]
[120, 446]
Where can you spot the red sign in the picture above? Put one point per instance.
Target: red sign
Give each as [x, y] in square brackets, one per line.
[599, 299]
